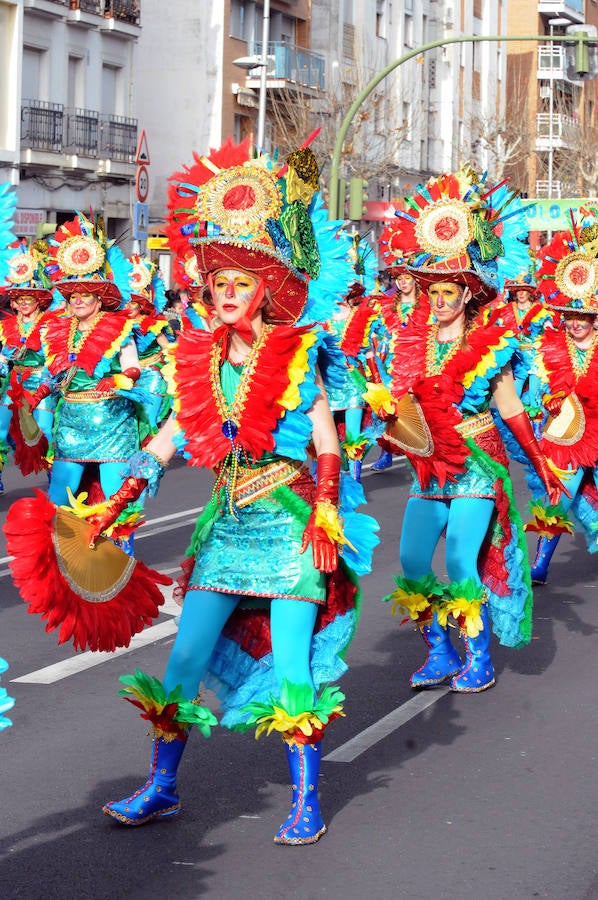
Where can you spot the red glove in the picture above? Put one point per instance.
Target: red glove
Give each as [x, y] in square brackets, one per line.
[372, 364]
[554, 402]
[325, 552]
[118, 382]
[33, 400]
[129, 491]
[521, 428]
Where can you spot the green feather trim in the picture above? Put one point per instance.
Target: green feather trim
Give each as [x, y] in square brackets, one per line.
[469, 589]
[150, 695]
[296, 700]
[501, 473]
[427, 586]
[203, 526]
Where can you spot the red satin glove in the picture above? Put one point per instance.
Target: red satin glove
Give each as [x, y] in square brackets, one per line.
[33, 400]
[324, 550]
[372, 364]
[521, 428]
[117, 381]
[130, 490]
[554, 402]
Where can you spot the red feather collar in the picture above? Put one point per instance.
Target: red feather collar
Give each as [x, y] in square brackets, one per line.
[198, 405]
[104, 340]
[12, 336]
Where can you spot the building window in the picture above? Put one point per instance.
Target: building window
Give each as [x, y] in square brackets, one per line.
[238, 19]
[34, 81]
[111, 90]
[348, 12]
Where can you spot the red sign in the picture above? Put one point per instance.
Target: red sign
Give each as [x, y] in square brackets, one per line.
[142, 157]
[379, 211]
[142, 184]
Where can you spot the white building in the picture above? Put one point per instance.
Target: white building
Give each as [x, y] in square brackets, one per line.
[69, 135]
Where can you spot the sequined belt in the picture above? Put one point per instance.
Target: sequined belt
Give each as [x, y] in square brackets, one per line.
[150, 360]
[252, 484]
[476, 424]
[27, 370]
[89, 396]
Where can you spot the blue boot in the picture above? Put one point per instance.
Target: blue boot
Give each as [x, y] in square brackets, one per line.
[1, 483]
[304, 824]
[127, 544]
[158, 797]
[355, 469]
[478, 672]
[384, 461]
[443, 659]
[544, 550]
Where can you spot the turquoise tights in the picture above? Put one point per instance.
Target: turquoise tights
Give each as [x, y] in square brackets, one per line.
[69, 474]
[466, 520]
[202, 620]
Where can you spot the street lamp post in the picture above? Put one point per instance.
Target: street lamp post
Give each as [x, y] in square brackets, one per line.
[554, 23]
[335, 210]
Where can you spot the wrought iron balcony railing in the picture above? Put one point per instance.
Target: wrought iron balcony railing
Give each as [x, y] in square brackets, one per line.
[123, 10]
[85, 132]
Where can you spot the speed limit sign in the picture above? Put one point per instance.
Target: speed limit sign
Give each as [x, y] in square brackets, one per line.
[142, 184]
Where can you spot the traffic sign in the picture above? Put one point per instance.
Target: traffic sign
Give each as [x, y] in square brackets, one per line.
[142, 157]
[140, 221]
[142, 184]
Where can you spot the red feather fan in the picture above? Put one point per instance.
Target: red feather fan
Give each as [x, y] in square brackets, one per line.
[97, 598]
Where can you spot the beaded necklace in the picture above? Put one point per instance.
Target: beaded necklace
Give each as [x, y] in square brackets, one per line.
[231, 414]
[580, 359]
[24, 329]
[438, 353]
[76, 339]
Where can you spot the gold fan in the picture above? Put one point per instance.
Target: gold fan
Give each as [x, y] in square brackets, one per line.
[569, 425]
[96, 575]
[410, 431]
[29, 428]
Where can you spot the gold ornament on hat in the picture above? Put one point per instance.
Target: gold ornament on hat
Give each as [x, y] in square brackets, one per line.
[576, 275]
[21, 268]
[445, 228]
[191, 270]
[80, 255]
[141, 276]
[240, 200]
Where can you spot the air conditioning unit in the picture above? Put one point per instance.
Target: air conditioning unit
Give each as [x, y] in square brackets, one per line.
[449, 16]
[544, 91]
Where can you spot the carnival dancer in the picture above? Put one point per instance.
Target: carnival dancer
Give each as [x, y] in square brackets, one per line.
[91, 360]
[394, 312]
[153, 335]
[270, 595]
[29, 291]
[568, 372]
[8, 203]
[445, 371]
[354, 323]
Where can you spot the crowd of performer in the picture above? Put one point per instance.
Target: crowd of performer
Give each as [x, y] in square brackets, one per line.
[294, 358]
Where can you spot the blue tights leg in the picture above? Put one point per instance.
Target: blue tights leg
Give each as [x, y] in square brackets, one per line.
[292, 623]
[45, 420]
[468, 521]
[64, 474]
[202, 619]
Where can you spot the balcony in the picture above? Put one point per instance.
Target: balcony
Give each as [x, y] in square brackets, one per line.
[123, 11]
[567, 9]
[81, 134]
[554, 131]
[289, 66]
[551, 62]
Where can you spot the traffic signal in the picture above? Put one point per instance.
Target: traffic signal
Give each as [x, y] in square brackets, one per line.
[358, 197]
[582, 56]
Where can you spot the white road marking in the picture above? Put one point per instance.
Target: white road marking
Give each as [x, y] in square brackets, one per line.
[89, 659]
[357, 745]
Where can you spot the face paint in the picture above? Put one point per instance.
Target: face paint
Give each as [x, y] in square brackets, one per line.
[235, 294]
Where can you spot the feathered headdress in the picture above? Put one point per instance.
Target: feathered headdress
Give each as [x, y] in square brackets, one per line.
[458, 225]
[568, 273]
[82, 258]
[240, 210]
[26, 274]
[146, 284]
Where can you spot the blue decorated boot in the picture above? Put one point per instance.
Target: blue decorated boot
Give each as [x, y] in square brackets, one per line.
[544, 550]
[355, 469]
[384, 461]
[443, 659]
[158, 797]
[304, 824]
[478, 672]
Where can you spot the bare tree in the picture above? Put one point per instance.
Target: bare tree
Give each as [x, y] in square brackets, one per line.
[502, 142]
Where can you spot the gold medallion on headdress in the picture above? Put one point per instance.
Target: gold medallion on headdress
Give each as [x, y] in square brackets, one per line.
[576, 275]
[80, 255]
[21, 268]
[141, 276]
[445, 228]
[241, 200]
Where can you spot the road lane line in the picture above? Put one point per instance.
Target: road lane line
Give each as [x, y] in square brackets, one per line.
[89, 659]
[357, 745]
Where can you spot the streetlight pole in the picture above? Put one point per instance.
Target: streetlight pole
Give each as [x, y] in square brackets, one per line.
[335, 203]
[261, 118]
